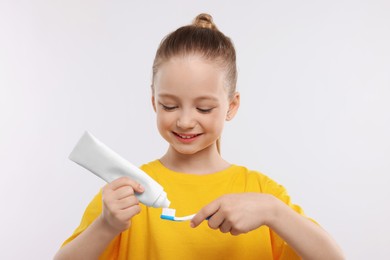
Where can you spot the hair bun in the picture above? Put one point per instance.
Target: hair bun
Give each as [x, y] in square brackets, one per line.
[204, 21]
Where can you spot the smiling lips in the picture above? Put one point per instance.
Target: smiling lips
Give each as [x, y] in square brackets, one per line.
[186, 138]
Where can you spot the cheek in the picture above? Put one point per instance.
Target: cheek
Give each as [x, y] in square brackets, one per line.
[164, 120]
[217, 122]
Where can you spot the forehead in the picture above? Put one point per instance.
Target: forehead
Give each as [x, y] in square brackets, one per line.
[190, 75]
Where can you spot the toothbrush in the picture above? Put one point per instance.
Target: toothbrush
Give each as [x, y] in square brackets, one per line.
[169, 214]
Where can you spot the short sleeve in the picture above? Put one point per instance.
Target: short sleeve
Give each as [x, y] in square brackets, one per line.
[271, 187]
[280, 249]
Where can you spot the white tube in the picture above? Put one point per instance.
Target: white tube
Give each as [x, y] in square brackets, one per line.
[108, 165]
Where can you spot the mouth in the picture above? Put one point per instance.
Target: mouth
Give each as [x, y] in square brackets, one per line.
[186, 138]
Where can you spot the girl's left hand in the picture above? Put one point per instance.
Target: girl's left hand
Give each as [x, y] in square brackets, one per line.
[237, 213]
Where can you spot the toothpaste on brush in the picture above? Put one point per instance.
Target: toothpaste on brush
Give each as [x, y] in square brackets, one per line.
[95, 156]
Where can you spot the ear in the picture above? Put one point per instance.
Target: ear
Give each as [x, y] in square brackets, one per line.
[233, 106]
[153, 102]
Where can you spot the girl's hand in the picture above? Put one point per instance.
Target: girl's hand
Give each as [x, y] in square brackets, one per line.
[120, 203]
[237, 213]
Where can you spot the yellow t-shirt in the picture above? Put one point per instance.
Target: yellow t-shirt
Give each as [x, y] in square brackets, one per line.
[150, 237]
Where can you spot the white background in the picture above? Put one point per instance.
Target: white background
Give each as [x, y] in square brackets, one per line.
[315, 113]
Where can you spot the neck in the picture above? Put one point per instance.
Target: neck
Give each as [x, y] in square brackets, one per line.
[202, 162]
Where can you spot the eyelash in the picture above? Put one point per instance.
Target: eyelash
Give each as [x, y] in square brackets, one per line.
[167, 108]
[203, 111]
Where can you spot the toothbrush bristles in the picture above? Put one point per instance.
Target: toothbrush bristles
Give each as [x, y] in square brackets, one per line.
[169, 212]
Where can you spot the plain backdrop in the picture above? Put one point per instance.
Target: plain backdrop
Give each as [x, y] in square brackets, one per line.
[315, 113]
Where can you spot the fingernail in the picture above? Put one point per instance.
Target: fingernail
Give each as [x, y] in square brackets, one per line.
[192, 224]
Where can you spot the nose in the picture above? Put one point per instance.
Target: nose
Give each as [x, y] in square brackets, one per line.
[186, 120]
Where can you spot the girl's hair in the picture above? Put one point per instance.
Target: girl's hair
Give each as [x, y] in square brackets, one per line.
[202, 38]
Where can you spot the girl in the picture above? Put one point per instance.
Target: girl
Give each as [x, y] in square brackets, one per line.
[242, 214]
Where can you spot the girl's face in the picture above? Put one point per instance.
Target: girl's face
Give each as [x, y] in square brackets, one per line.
[191, 103]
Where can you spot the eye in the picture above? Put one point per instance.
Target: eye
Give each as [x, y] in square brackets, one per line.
[168, 108]
[204, 111]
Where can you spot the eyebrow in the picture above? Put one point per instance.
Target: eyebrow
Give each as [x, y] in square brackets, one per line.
[197, 99]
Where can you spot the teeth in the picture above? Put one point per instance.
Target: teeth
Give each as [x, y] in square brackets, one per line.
[187, 137]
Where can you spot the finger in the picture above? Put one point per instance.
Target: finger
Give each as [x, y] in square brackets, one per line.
[126, 181]
[125, 215]
[124, 192]
[139, 188]
[128, 213]
[127, 202]
[204, 213]
[114, 200]
[217, 219]
[225, 227]
[111, 196]
[235, 232]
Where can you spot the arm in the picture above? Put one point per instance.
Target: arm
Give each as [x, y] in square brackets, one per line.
[241, 213]
[312, 242]
[119, 206]
[90, 244]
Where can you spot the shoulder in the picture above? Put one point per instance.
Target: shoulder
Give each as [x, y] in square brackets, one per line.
[269, 186]
[151, 167]
[266, 183]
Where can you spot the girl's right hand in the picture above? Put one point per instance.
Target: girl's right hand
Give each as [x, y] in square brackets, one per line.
[120, 203]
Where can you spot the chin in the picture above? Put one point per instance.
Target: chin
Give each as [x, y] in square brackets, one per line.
[190, 150]
[186, 151]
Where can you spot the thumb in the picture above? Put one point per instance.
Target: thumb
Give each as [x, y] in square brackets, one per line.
[139, 188]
